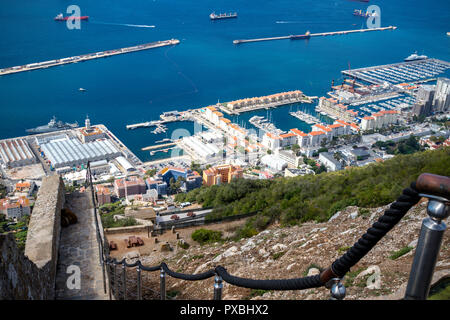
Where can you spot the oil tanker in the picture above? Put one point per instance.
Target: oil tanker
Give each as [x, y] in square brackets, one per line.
[60, 17]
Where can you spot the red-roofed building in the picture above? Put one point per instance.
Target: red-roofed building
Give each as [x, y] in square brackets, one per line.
[15, 208]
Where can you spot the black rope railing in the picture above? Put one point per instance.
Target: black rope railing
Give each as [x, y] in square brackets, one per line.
[339, 268]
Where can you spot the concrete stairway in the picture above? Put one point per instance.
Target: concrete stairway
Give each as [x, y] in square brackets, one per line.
[79, 246]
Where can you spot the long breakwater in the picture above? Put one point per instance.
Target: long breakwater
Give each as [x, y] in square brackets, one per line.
[314, 34]
[85, 57]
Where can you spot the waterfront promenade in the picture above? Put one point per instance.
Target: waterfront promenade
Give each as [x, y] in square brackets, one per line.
[85, 57]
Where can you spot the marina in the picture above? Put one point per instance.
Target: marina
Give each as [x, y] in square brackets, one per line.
[307, 36]
[309, 119]
[85, 57]
[407, 71]
[264, 125]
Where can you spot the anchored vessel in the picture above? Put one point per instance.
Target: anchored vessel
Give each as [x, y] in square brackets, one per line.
[307, 35]
[214, 16]
[52, 126]
[60, 17]
[361, 13]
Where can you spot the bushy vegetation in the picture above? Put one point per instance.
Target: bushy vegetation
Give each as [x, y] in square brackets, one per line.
[20, 229]
[109, 210]
[203, 236]
[409, 146]
[317, 197]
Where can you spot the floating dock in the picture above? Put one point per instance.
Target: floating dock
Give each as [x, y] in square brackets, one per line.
[315, 34]
[85, 57]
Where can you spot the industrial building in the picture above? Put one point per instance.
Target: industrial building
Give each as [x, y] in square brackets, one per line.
[205, 151]
[70, 152]
[16, 153]
[124, 165]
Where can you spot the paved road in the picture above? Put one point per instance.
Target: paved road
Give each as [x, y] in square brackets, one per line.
[79, 246]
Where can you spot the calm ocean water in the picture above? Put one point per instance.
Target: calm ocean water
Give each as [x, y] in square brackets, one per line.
[204, 68]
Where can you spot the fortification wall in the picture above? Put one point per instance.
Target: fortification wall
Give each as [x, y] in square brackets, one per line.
[31, 275]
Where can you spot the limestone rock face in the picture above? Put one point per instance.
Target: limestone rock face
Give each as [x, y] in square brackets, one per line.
[297, 251]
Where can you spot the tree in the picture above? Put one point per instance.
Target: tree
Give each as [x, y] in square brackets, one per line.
[151, 172]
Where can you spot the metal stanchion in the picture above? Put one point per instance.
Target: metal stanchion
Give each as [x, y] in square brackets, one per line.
[218, 286]
[428, 247]
[124, 279]
[139, 290]
[116, 284]
[162, 278]
[108, 265]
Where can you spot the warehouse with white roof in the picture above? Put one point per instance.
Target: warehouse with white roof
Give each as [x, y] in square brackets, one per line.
[204, 150]
[16, 153]
[71, 152]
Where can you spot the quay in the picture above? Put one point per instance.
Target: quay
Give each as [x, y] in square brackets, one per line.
[85, 57]
[315, 34]
[158, 146]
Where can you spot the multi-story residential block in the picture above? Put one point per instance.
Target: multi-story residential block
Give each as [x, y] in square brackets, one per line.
[221, 174]
[15, 208]
[441, 101]
[129, 186]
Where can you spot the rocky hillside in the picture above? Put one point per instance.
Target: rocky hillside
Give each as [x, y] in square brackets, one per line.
[301, 250]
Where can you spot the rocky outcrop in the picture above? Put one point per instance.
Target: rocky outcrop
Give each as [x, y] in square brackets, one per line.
[280, 253]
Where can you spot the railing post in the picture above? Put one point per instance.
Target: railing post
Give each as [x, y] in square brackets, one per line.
[218, 286]
[427, 250]
[124, 279]
[162, 278]
[108, 266]
[116, 284]
[139, 290]
[337, 289]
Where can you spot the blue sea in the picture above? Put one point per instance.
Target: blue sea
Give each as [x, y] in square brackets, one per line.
[204, 68]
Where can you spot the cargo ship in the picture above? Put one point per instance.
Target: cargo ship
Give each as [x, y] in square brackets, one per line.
[307, 35]
[60, 17]
[52, 126]
[214, 16]
[415, 56]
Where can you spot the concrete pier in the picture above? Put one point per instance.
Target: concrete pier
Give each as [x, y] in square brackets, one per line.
[315, 34]
[85, 57]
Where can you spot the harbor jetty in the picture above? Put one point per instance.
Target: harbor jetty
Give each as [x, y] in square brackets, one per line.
[314, 35]
[85, 57]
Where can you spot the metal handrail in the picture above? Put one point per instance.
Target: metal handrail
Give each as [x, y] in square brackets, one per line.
[331, 277]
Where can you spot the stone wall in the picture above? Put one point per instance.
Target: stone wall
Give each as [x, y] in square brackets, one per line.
[20, 278]
[32, 276]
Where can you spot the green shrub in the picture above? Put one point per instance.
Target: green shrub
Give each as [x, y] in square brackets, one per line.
[203, 236]
[278, 255]
[397, 254]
